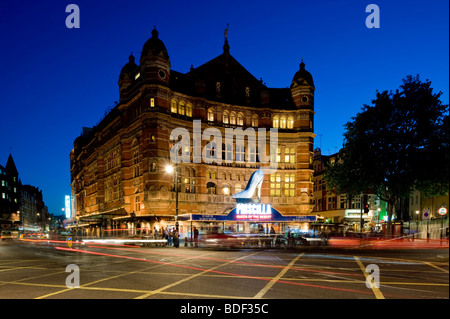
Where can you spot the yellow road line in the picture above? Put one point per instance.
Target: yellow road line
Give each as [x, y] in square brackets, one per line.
[104, 279]
[191, 277]
[433, 265]
[375, 290]
[269, 285]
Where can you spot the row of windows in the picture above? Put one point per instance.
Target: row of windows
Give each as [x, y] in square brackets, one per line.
[282, 184]
[181, 108]
[225, 176]
[283, 122]
[231, 117]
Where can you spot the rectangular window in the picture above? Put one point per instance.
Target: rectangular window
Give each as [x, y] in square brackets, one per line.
[152, 102]
[137, 204]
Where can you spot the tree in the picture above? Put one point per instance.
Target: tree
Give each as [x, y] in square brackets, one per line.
[398, 143]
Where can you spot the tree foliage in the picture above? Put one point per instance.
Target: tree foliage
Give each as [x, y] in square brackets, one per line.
[398, 143]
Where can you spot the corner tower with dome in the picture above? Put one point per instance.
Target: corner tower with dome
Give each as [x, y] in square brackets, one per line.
[118, 174]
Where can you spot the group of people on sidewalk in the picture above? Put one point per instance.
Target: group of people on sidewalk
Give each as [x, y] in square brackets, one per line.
[172, 236]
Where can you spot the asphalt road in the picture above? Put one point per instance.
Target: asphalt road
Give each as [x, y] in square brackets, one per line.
[34, 271]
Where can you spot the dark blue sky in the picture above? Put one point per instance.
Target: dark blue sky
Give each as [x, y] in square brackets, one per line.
[55, 80]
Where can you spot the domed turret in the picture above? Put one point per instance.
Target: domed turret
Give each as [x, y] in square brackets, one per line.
[302, 91]
[302, 77]
[126, 76]
[155, 62]
[154, 47]
[128, 69]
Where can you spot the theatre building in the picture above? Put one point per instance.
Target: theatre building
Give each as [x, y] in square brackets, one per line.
[119, 178]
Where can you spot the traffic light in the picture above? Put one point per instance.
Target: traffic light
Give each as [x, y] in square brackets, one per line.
[366, 208]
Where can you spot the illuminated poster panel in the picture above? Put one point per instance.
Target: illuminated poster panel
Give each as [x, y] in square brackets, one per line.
[67, 208]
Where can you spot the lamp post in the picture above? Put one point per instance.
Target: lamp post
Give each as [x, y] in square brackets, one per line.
[417, 223]
[170, 169]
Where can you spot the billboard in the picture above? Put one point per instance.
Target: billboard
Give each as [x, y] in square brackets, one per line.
[67, 207]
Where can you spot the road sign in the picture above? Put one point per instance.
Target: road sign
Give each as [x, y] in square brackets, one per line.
[442, 211]
[69, 242]
[426, 214]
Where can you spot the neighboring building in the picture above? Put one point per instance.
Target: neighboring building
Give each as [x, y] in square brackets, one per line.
[21, 206]
[337, 211]
[9, 194]
[33, 212]
[118, 167]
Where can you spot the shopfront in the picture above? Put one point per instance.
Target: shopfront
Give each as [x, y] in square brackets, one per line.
[259, 219]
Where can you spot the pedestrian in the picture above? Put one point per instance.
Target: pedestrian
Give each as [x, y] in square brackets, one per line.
[155, 233]
[166, 235]
[196, 236]
[176, 238]
[170, 237]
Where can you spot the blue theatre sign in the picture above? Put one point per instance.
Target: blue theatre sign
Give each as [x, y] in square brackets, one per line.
[251, 213]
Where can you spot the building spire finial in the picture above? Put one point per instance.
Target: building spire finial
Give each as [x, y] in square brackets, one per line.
[226, 31]
[226, 46]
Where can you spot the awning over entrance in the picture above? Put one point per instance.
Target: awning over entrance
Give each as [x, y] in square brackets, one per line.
[250, 213]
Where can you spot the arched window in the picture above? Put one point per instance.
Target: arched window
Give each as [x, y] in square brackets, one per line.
[255, 120]
[233, 118]
[181, 108]
[283, 122]
[211, 188]
[211, 114]
[276, 122]
[240, 119]
[173, 106]
[226, 117]
[290, 122]
[189, 110]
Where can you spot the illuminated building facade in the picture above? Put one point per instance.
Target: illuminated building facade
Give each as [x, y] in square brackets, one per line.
[118, 175]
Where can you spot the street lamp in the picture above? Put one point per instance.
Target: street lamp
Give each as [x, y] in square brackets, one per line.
[417, 222]
[170, 169]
